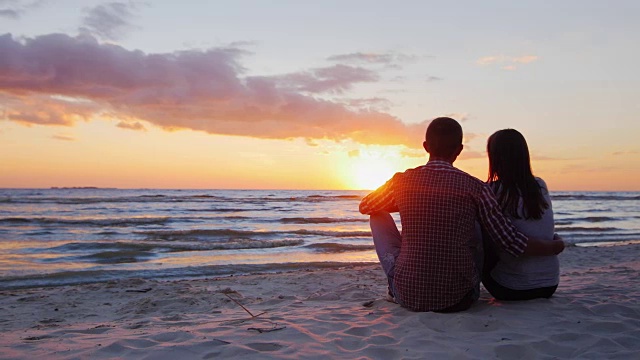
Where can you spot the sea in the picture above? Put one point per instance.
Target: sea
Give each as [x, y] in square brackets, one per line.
[64, 236]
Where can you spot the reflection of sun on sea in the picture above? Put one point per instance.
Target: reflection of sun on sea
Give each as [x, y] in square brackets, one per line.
[370, 173]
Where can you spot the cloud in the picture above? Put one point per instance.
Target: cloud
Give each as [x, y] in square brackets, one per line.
[42, 109]
[506, 62]
[524, 59]
[14, 9]
[110, 21]
[489, 60]
[359, 57]
[461, 117]
[9, 13]
[63, 137]
[464, 155]
[376, 103]
[131, 126]
[413, 153]
[625, 152]
[354, 153]
[56, 79]
[388, 59]
[470, 154]
[336, 79]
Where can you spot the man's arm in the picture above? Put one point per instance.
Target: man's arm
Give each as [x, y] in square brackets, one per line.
[506, 235]
[537, 247]
[381, 199]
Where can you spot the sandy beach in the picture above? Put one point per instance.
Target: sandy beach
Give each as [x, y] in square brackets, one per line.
[327, 313]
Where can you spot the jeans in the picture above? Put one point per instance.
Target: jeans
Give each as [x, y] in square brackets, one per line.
[388, 241]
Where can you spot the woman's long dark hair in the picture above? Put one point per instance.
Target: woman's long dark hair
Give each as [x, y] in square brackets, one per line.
[510, 175]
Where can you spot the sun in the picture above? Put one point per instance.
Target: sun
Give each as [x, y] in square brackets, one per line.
[369, 173]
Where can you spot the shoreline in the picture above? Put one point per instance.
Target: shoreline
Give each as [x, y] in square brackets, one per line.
[48, 280]
[84, 277]
[330, 312]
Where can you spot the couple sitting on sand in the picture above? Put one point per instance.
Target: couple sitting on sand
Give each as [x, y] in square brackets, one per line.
[449, 216]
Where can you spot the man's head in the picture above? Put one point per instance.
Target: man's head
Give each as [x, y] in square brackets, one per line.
[443, 139]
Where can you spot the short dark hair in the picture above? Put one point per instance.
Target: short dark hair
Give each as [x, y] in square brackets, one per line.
[443, 137]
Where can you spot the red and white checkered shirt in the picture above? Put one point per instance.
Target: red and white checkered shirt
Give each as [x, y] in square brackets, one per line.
[439, 206]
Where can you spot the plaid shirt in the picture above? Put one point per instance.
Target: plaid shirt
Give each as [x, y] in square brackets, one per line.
[439, 206]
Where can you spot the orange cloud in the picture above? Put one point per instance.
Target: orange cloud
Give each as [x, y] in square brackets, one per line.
[57, 80]
[63, 137]
[131, 126]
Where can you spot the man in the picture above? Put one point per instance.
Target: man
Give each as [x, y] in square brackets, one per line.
[431, 266]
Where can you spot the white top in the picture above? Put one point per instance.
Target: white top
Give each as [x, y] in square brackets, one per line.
[530, 272]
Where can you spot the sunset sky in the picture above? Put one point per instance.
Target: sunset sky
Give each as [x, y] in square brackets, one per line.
[312, 94]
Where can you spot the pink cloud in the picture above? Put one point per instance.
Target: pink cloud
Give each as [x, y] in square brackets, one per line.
[57, 80]
[337, 79]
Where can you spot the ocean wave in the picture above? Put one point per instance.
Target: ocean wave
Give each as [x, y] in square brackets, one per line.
[161, 198]
[222, 233]
[131, 221]
[335, 197]
[40, 233]
[339, 234]
[338, 248]
[607, 243]
[108, 233]
[231, 244]
[592, 197]
[320, 220]
[598, 219]
[168, 234]
[588, 238]
[113, 199]
[118, 257]
[75, 277]
[121, 252]
[586, 229]
[589, 219]
[100, 246]
[563, 222]
[218, 210]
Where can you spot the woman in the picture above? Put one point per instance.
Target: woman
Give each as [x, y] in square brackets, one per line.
[525, 201]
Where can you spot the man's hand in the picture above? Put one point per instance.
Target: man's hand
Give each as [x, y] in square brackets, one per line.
[537, 247]
[558, 244]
